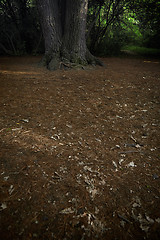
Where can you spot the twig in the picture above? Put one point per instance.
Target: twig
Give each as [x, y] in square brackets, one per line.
[131, 151]
[123, 218]
[2, 129]
[133, 139]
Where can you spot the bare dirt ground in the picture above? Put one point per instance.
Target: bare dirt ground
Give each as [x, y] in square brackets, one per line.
[79, 151]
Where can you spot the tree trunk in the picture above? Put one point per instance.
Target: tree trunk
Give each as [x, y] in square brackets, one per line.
[64, 26]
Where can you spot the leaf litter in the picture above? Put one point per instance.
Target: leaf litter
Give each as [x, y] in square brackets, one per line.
[79, 151]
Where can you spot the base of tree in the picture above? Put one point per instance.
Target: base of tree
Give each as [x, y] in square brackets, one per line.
[54, 63]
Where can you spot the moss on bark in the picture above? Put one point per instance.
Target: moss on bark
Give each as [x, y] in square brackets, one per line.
[55, 62]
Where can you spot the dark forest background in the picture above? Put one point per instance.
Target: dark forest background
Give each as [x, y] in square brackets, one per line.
[112, 27]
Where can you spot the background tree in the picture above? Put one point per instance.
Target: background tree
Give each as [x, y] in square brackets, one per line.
[19, 27]
[64, 28]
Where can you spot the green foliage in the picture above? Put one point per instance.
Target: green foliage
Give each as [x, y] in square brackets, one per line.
[111, 27]
[121, 22]
[131, 29]
[147, 12]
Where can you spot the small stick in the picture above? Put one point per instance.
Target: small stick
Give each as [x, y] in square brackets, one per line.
[131, 151]
[133, 139]
[2, 129]
[123, 218]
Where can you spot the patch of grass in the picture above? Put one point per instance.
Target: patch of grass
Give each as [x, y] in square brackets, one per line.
[143, 51]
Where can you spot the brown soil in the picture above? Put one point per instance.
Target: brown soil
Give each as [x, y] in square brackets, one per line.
[79, 151]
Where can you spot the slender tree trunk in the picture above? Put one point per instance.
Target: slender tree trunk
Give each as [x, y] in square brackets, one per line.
[63, 24]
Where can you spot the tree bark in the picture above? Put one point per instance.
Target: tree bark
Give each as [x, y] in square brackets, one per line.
[64, 27]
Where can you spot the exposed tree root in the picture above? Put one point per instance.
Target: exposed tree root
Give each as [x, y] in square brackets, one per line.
[55, 63]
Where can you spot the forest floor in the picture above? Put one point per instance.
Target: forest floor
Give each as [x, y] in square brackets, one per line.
[79, 151]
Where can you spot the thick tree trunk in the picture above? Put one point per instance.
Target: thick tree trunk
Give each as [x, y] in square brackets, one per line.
[63, 24]
[52, 32]
[74, 41]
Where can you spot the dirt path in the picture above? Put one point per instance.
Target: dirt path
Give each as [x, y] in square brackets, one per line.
[79, 151]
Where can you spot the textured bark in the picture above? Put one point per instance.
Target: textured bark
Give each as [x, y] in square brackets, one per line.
[52, 32]
[74, 42]
[63, 24]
